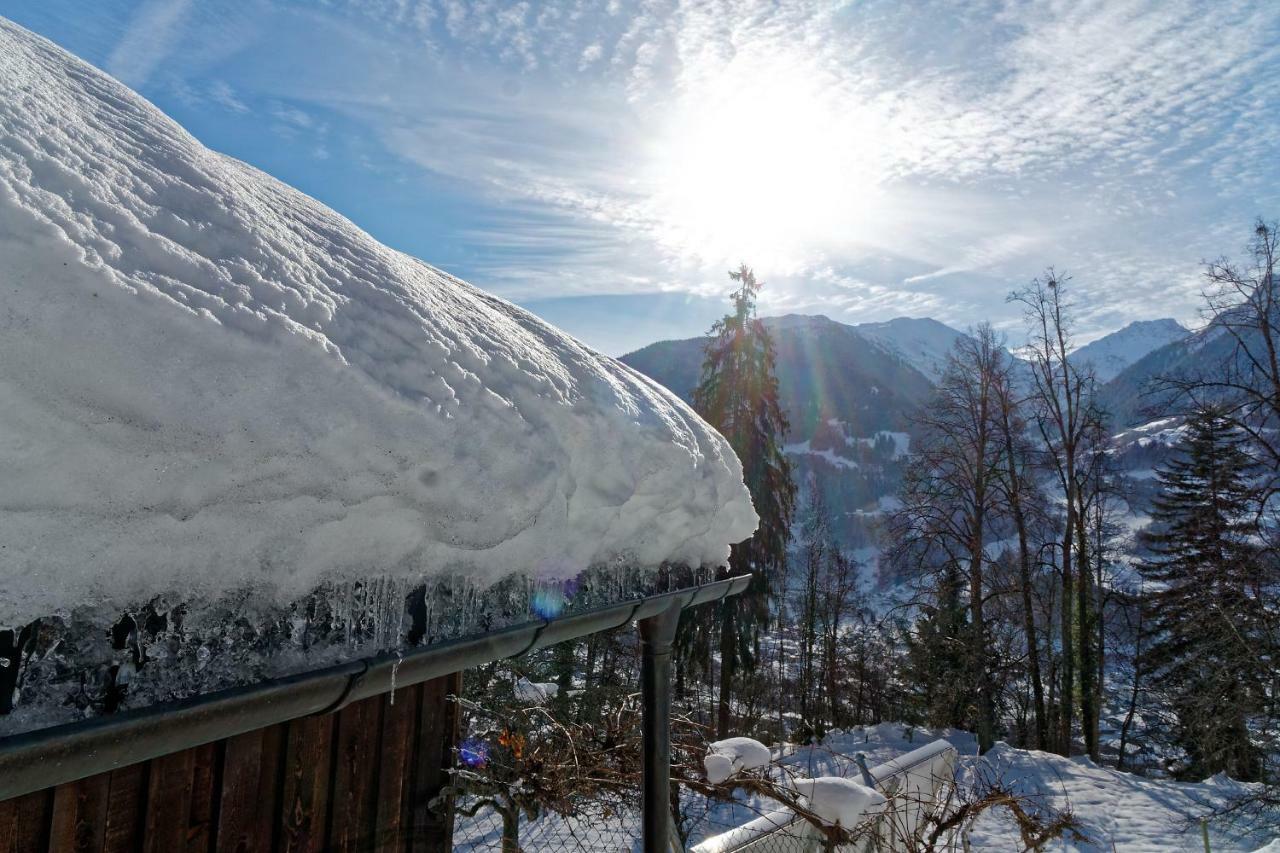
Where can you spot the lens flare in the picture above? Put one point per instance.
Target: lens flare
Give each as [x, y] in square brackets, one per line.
[550, 597]
[473, 752]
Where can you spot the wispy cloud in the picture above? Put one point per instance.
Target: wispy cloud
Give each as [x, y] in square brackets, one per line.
[151, 35]
[909, 158]
[222, 94]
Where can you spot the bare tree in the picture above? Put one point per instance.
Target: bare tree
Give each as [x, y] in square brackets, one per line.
[950, 497]
[1022, 499]
[1243, 305]
[1066, 418]
[837, 603]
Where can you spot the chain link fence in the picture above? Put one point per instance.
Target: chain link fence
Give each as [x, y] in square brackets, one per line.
[591, 830]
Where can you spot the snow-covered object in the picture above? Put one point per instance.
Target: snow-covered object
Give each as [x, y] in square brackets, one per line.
[719, 767]
[535, 692]
[210, 381]
[730, 755]
[837, 800]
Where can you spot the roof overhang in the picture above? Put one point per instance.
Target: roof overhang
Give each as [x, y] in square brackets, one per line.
[41, 759]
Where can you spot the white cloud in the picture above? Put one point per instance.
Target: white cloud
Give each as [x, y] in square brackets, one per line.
[978, 142]
[222, 93]
[150, 37]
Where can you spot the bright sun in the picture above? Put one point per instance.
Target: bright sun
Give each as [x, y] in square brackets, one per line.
[765, 162]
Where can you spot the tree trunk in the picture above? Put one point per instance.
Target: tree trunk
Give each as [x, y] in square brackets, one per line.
[978, 654]
[728, 652]
[833, 700]
[1066, 692]
[1100, 621]
[1084, 606]
[590, 667]
[1137, 680]
[510, 830]
[1024, 577]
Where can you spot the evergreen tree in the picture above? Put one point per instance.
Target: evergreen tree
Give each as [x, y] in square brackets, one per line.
[1205, 613]
[738, 395]
[938, 660]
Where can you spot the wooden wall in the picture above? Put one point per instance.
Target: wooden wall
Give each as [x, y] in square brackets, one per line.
[359, 779]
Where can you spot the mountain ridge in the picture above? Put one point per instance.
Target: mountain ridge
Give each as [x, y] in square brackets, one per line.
[1110, 354]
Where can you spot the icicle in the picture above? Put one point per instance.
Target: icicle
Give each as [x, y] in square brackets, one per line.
[395, 668]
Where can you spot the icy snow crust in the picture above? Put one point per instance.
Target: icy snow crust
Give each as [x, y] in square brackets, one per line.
[210, 381]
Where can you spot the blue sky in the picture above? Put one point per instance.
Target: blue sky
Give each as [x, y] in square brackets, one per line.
[604, 163]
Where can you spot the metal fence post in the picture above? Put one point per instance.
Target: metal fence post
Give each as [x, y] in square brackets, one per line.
[657, 634]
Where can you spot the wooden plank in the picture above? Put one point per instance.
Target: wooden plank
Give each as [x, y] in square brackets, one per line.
[395, 782]
[79, 820]
[169, 790]
[305, 800]
[250, 791]
[126, 804]
[437, 735]
[204, 800]
[355, 776]
[9, 826]
[24, 823]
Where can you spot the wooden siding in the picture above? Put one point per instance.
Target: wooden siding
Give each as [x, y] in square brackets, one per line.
[360, 779]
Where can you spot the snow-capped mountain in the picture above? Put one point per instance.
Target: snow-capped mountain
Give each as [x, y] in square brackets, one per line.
[921, 342]
[1111, 354]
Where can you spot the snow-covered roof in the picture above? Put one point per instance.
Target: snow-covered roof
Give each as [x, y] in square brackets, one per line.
[209, 381]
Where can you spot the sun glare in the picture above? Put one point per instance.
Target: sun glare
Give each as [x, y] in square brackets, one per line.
[765, 160]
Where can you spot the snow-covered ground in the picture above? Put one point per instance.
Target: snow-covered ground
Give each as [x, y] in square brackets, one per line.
[1163, 432]
[210, 381]
[1117, 811]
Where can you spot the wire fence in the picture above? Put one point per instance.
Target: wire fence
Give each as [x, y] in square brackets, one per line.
[591, 830]
[914, 786]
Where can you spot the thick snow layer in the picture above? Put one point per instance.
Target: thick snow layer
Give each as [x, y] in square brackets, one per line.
[730, 755]
[535, 692]
[1117, 810]
[837, 800]
[211, 381]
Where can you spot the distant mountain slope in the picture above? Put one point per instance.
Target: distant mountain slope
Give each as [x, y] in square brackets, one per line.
[1131, 395]
[850, 401]
[1112, 353]
[826, 370]
[920, 341]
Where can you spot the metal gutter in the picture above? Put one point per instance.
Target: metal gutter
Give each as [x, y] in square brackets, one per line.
[42, 759]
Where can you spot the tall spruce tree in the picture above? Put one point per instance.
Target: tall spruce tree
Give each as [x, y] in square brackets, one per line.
[1205, 614]
[938, 659]
[738, 395]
